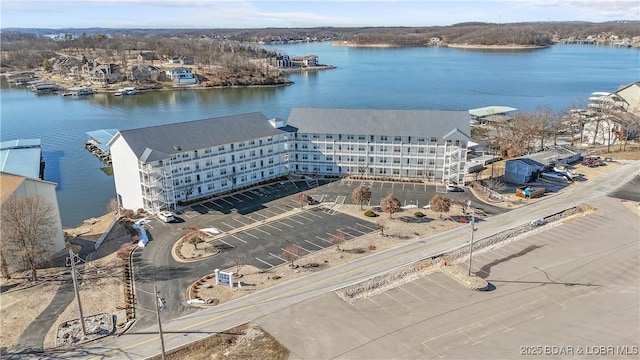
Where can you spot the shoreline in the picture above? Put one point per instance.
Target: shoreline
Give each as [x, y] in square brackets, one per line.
[458, 46]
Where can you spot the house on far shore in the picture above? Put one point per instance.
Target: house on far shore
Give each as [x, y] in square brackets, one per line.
[182, 60]
[100, 74]
[147, 56]
[305, 61]
[281, 61]
[181, 75]
[142, 72]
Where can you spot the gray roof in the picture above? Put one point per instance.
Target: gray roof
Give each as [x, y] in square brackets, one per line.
[156, 142]
[379, 122]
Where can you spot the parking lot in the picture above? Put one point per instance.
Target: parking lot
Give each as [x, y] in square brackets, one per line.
[562, 287]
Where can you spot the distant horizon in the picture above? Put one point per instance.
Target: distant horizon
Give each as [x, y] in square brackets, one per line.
[283, 14]
[310, 27]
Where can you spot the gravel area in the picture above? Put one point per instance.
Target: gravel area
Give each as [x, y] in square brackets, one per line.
[97, 326]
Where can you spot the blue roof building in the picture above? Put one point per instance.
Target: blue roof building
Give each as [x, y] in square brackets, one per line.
[522, 170]
[22, 157]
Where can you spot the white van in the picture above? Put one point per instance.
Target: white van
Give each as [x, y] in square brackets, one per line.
[166, 216]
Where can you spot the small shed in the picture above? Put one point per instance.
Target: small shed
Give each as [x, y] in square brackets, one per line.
[522, 170]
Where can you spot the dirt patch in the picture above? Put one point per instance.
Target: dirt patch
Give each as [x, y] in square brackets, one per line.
[242, 342]
[101, 291]
[27, 301]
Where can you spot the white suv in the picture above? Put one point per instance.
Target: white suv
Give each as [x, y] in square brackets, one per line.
[166, 216]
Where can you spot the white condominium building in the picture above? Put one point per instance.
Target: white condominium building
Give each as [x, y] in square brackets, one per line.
[398, 144]
[157, 167]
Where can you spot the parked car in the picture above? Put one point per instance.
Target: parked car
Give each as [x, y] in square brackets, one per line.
[166, 216]
[452, 188]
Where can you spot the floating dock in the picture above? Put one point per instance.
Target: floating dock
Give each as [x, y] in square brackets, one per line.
[97, 144]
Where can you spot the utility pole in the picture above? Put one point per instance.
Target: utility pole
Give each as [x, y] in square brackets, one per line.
[473, 220]
[159, 306]
[72, 257]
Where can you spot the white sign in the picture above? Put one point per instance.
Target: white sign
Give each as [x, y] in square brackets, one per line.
[224, 278]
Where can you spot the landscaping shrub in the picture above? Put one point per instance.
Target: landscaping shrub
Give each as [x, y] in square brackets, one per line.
[418, 214]
[370, 213]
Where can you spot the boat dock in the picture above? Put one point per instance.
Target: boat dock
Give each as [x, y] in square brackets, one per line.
[78, 91]
[97, 144]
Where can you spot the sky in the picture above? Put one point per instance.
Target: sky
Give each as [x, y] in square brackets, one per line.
[301, 13]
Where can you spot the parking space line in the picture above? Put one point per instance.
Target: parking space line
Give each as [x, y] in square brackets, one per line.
[314, 244]
[278, 257]
[430, 349]
[218, 205]
[250, 234]
[294, 184]
[381, 307]
[237, 238]
[424, 288]
[300, 215]
[396, 300]
[312, 214]
[235, 198]
[243, 224]
[258, 229]
[298, 246]
[256, 193]
[285, 224]
[262, 261]
[222, 241]
[295, 221]
[411, 294]
[325, 240]
[273, 212]
[208, 207]
[437, 283]
[227, 201]
[366, 227]
[247, 196]
[361, 232]
[273, 227]
[227, 225]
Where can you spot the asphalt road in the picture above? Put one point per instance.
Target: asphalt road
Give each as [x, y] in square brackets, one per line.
[143, 343]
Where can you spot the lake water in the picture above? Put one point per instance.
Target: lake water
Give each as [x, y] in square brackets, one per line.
[405, 78]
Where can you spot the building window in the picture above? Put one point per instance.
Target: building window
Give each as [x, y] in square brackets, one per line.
[434, 140]
[222, 160]
[221, 148]
[207, 151]
[383, 138]
[223, 171]
[396, 171]
[253, 164]
[329, 136]
[397, 138]
[361, 137]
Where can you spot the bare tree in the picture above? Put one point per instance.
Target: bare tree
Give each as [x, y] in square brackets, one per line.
[28, 226]
[495, 185]
[194, 236]
[302, 199]
[112, 206]
[382, 224]
[291, 253]
[4, 251]
[440, 203]
[361, 194]
[390, 204]
[513, 137]
[240, 261]
[337, 239]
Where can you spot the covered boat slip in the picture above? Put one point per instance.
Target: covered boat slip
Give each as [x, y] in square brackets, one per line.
[491, 113]
[97, 143]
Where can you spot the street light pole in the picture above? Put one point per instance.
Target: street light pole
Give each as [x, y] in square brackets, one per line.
[473, 220]
[159, 303]
[72, 257]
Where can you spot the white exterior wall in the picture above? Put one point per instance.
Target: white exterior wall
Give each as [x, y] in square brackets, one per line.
[203, 173]
[401, 157]
[48, 191]
[126, 175]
